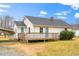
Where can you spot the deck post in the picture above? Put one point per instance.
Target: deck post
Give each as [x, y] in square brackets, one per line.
[27, 41]
[44, 40]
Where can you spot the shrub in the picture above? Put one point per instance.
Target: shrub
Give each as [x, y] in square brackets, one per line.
[66, 35]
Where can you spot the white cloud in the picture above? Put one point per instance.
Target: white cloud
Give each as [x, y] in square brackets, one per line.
[43, 12]
[58, 13]
[76, 15]
[74, 6]
[63, 13]
[1, 10]
[4, 6]
[61, 17]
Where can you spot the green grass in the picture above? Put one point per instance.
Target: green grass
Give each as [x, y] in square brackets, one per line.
[60, 48]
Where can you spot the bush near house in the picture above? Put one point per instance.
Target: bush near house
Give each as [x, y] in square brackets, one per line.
[66, 35]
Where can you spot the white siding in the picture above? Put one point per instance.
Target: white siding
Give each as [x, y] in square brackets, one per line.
[29, 24]
[55, 30]
[19, 29]
[50, 30]
[37, 29]
[15, 30]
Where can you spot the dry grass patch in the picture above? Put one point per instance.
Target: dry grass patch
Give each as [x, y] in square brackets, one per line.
[54, 48]
[31, 49]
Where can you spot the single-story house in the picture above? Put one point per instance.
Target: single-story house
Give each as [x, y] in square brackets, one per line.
[40, 28]
[32, 28]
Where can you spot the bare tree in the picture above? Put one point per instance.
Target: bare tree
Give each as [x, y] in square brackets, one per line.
[7, 22]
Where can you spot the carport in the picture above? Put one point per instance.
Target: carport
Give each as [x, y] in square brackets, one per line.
[6, 34]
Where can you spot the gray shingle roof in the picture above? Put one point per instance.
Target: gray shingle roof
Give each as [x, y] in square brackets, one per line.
[37, 21]
[19, 23]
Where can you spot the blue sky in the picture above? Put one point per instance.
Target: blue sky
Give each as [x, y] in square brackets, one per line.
[67, 12]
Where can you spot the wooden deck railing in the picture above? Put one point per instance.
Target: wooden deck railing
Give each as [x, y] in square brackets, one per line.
[36, 36]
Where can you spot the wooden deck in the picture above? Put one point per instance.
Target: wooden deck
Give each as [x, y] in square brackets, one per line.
[38, 36]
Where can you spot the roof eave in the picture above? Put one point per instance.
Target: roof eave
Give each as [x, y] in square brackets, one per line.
[52, 26]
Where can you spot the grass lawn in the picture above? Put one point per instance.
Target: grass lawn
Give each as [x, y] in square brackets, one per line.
[53, 48]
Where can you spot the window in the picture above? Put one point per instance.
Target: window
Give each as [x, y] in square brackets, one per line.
[29, 30]
[41, 30]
